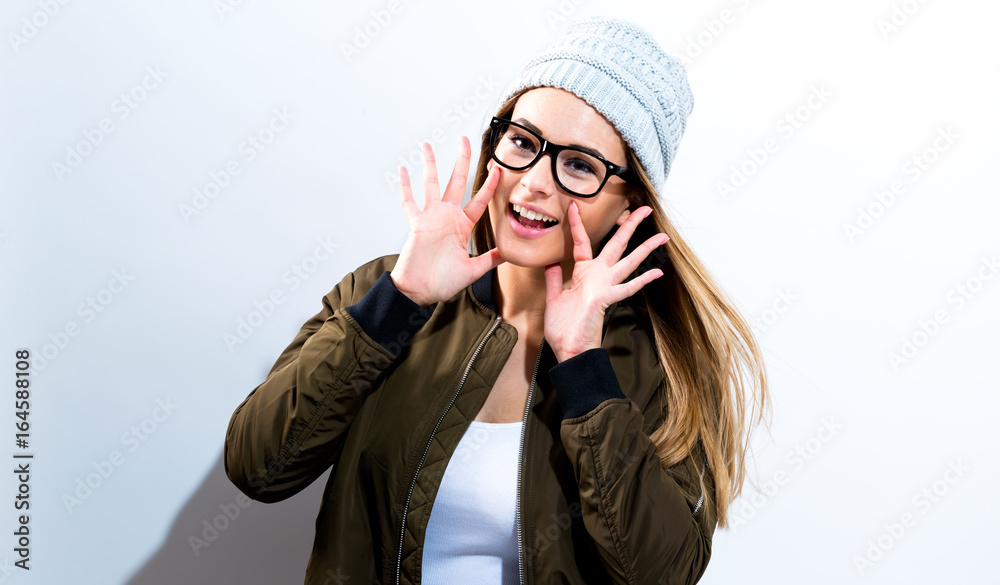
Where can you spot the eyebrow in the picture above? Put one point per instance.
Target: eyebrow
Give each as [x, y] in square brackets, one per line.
[538, 131]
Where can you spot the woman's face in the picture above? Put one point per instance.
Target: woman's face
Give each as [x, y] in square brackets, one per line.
[562, 118]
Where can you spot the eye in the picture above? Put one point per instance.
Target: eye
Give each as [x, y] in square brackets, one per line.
[521, 142]
[580, 167]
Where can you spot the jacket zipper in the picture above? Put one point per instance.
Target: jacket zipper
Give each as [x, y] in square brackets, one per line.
[524, 429]
[413, 483]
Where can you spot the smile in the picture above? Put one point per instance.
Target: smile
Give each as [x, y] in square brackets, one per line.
[532, 215]
[527, 223]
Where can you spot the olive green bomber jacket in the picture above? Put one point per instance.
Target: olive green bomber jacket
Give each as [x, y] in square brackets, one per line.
[383, 389]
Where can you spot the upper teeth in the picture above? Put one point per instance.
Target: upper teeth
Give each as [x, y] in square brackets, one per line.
[531, 214]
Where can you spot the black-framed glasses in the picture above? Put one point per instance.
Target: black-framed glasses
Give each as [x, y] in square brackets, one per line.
[577, 171]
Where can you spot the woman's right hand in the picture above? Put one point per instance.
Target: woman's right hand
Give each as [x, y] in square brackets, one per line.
[434, 263]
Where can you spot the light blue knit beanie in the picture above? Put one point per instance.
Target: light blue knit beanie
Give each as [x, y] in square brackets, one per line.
[618, 68]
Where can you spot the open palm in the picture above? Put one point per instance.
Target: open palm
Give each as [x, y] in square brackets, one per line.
[434, 263]
[574, 316]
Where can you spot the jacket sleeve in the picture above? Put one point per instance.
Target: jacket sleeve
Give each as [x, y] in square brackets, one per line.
[292, 427]
[650, 524]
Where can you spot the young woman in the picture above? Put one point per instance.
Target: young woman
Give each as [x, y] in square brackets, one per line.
[565, 402]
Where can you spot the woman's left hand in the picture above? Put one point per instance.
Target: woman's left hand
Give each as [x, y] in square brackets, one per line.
[574, 316]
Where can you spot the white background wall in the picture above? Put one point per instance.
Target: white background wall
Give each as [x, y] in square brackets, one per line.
[832, 308]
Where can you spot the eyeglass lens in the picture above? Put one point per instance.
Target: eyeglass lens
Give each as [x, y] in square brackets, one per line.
[577, 171]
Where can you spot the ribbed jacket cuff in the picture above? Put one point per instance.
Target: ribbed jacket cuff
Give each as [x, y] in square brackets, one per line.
[584, 381]
[388, 316]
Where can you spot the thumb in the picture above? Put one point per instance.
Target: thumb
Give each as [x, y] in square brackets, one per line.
[553, 282]
[486, 262]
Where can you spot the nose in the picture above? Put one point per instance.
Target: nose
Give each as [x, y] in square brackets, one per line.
[538, 177]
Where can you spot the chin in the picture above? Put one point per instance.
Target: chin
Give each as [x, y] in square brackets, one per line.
[529, 254]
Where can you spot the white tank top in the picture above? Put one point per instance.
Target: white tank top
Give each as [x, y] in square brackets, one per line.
[471, 533]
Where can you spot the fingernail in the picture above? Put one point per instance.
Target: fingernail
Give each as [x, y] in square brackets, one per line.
[648, 211]
[663, 239]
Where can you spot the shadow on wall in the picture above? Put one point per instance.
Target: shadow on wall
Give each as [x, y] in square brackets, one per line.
[218, 537]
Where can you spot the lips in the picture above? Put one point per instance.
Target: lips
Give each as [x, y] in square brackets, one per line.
[522, 230]
[549, 218]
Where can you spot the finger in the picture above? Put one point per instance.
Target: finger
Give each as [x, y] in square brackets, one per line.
[581, 241]
[485, 262]
[553, 282]
[627, 289]
[616, 245]
[628, 264]
[455, 190]
[481, 199]
[406, 193]
[432, 190]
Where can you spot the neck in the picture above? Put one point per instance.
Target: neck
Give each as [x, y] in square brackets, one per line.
[520, 294]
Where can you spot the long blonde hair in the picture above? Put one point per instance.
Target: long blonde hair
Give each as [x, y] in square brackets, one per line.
[702, 341]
